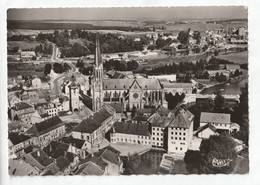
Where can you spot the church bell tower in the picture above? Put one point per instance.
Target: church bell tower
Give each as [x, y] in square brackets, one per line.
[97, 85]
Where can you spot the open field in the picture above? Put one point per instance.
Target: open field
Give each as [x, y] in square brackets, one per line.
[239, 57]
[23, 45]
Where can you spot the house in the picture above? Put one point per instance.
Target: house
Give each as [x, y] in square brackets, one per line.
[92, 165]
[130, 133]
[21, 168]
[27, 55]
[180, 132]
[177, 87]
[212, 73]
[17, 142]
[36, 83]
[39, 160]
[171, 78]
[111, 156]
[36, 118]
[63, 165]
[95, 126]
[219, 120]
[46, 131]
[145, 111]
[90, 168]
[73, 159]
[77, 146]
[22, 111]
[206, 131]
[232, 67]
[12, 100]
[139, 119]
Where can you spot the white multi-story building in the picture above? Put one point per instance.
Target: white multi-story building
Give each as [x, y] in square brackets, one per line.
[219, 120]
[180, 132]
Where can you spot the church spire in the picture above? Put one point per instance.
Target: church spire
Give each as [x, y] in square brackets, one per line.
[98, 60]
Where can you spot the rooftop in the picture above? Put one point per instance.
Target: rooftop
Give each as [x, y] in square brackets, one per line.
[182, 120]
[131, 128]
[16, 138]
[21, 106]
[45, 126]
[208, 117]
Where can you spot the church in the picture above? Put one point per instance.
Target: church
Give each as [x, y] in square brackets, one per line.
[127, 93]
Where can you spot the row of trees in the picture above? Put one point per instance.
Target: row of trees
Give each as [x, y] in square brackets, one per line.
[121, 65]
[57, 68]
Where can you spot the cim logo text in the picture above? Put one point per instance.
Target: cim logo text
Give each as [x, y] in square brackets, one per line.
[221, 162]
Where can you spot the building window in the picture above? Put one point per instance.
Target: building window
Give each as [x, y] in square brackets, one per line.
[157, 129]
[184, 133]
[184, 138]
[153, 128]
[180, 133]
[176, 148]
[180, 148]
[176, 138]
[179, 138]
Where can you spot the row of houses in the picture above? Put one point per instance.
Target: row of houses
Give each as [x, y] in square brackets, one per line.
[42, 162]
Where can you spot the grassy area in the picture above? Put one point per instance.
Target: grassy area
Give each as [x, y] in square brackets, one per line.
[239, 57]
[23, 45]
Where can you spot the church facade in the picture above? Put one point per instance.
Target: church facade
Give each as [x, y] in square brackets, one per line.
[127, 93]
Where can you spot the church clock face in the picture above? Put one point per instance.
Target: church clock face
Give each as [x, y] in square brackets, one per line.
[135, 95]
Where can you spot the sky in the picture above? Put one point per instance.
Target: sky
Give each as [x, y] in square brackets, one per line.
[133, 13]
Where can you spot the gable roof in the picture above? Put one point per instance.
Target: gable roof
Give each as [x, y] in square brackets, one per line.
[210, 126]
[62, 163]
[98, 161]
[45, 126]
[90, 168]
[78, 143]
[109, 154]
[140, 118]
[16, 138]
[182, 120]
[56, 149]
[42, 157]
[20, 168]
[232, 66]
[208, 117]
[21, 106]
[94, 121]
[131, 128]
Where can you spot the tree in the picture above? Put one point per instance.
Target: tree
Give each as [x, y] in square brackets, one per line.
[47, 69]
[57, 67]
[237, 73]
[219, 102]
[131, 163]
[220, 147]
[183, 37]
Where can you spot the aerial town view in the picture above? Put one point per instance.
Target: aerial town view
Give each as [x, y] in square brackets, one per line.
[122, 91]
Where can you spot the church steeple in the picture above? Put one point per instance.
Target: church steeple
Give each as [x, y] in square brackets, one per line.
[97, 86]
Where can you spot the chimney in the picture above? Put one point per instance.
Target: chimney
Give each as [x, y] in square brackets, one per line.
[38, 153]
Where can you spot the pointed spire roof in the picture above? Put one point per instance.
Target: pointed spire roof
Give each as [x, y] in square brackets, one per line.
[98, 59]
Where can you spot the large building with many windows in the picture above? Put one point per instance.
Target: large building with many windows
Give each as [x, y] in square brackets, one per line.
[180, 132]
[131, 133]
